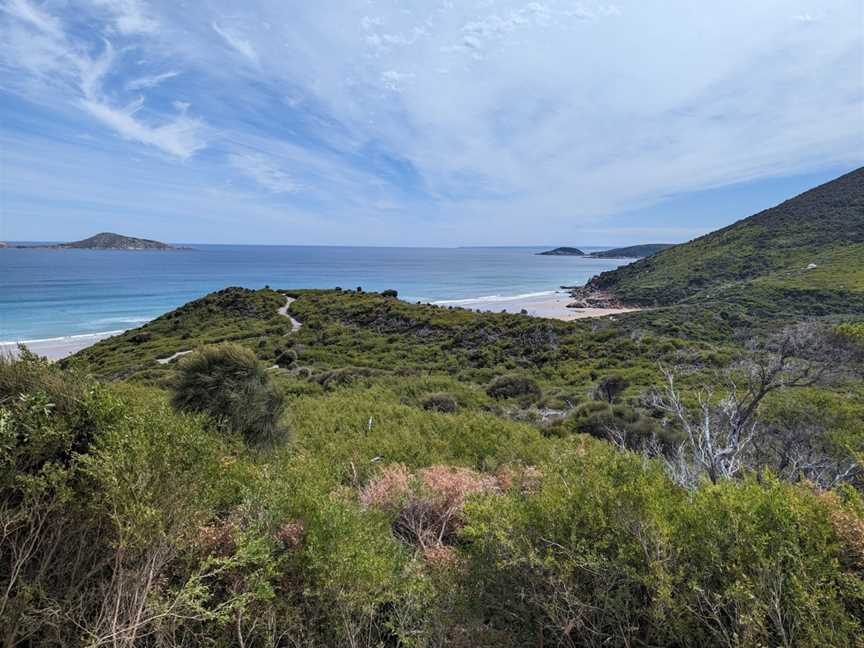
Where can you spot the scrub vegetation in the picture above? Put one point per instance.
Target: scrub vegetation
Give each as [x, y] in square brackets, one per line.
[394, 474]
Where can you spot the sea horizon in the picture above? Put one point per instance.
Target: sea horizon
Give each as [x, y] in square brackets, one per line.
[57, 294]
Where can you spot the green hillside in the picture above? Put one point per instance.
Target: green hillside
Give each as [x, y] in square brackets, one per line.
[631, 251]
[343, 468]
[813, 242]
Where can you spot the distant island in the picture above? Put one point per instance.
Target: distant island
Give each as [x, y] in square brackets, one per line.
[631, 252]
[562, 251]
[107, 241]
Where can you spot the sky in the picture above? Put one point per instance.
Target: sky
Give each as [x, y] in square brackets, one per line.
[452, 122]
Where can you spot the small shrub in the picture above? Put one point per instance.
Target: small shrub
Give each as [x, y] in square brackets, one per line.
[440, 403]
[343, 376]
[228, 382]
[610, 387]
[389, 293]
[286, 358]
[513, 387]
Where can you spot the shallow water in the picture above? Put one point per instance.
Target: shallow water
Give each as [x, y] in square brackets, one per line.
[51, 293]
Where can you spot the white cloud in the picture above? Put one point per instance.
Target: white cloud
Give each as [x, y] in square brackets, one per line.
[394, 80]
[555, 112]
[146, 82]
[130, 16]
[237, 42]
[23, 10]
[180, 137]
[63, 64]
[805, 17]
[264, 171]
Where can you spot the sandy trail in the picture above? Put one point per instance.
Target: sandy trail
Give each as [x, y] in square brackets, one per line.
[295, 325]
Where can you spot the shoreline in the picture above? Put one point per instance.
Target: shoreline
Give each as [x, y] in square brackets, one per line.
[548, 304]
[552, 305]
[59, 347]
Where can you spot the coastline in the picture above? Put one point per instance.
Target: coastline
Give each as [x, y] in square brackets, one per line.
[59, 347]
[549, 304]
[552, 304]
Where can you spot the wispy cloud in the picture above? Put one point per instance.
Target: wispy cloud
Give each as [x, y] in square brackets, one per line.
[54, 54]
[495, 119]
[130, 16]
[264, 171]
[237, 42]
[146, 82]
[33, 15]
[180, 137]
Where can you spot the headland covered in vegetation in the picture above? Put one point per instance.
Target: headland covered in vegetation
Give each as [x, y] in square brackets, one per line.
[283, 467]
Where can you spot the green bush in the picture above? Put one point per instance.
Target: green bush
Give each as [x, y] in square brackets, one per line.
[229, 383]
[609, 388]
[609, 552]
[512, 386]
[440, 403]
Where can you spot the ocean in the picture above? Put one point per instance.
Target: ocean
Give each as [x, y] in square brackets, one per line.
[53, 293]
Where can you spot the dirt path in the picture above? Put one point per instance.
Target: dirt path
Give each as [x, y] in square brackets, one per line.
[283, 311]
[172, 357]
[295, 325]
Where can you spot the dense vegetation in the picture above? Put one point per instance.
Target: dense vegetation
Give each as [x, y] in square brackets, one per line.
[394, 474]
[805, 249]
[631, 251]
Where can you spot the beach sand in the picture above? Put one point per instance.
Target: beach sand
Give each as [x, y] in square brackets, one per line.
[551, 305]
[57, 348]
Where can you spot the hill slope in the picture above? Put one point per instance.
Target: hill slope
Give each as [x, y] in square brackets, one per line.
[813, 242]
[631, 252]
[111, 241]
[562, 251]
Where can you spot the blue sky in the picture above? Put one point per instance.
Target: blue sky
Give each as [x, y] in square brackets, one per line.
[420, 123]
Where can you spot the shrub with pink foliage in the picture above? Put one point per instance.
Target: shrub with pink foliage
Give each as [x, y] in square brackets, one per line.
[450, 486]
[428, 506]
[389, 489]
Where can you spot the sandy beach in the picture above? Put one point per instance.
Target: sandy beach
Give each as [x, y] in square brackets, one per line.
[553, 305]
[57, 348]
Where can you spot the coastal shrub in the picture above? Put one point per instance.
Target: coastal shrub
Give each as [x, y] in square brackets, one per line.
[389, 293]
[513, 386]
[620, 424]
[286, 357]
[610, 552]
[440, 403]
[609, 388]
[343, 376]
[229, 383]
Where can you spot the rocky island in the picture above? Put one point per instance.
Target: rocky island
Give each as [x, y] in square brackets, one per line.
[109, 241]
[562, 251]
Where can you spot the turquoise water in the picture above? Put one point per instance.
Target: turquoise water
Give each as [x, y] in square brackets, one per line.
[53, 293]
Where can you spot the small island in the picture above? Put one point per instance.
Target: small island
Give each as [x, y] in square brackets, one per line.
[631, 252]
[562, 251]
[108, 241]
